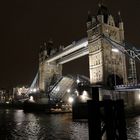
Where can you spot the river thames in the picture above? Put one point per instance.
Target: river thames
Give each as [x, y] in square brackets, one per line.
[17, 125]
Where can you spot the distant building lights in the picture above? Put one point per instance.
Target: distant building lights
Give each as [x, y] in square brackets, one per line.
[78, 81]
[115, 50]
[70, 100]
[77, 93]
[31, 99]
[19, 93]
[85, 93]
[84, 96]
[34, 90]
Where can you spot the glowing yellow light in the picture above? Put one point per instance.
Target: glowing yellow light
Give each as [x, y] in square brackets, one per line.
[83, 98]
[68, 90]
[115, 50]
[139, 96]
[31, 99]
[85, 93]
[34, 90]
[70, 100]
[78, 81]
[57, 89]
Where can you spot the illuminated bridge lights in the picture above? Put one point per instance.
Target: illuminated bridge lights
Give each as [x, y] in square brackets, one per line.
[31, 99]
[33, 90]
[84, 97]
[70, 100]
[115, 50]
[139, 96]
[68, 90]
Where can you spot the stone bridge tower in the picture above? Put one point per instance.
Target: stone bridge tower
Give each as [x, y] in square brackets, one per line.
[107, 65]
[49, 72]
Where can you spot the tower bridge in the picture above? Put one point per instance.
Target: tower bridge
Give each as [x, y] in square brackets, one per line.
[107, 50]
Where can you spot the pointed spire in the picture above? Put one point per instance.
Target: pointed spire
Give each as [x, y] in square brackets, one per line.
[45, 43]
[119, 17]
[103, 10]
[89, 16]
[50, 41]
[100, 3]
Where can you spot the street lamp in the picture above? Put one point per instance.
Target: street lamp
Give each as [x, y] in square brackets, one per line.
[139, 96]
[34, 90]
[84, 96]
[115, 51]
[68, 90]
[70, 100]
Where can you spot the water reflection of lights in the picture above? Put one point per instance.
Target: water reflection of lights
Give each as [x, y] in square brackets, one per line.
[19, 116]
[32, 128]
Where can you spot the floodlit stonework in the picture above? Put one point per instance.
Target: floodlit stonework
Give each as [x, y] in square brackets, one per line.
[105, 64]
[47, 71]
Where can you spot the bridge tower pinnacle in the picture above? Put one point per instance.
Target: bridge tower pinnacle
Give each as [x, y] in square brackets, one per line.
[48, 71]
[107, 65]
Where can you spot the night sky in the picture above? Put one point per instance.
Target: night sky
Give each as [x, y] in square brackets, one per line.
[25, 24]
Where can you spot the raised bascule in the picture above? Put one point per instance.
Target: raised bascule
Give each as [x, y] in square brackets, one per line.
[112, 61]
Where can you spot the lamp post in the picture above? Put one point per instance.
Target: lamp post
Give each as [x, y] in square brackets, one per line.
[115, 51]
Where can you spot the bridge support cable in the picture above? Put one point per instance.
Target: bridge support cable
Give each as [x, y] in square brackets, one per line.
[54, 85]
[131, 52]
[35, 81]
[60, 89]
[34, 84]
[122, 48]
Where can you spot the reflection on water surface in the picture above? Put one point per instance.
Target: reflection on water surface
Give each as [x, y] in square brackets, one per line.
[17, 125]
